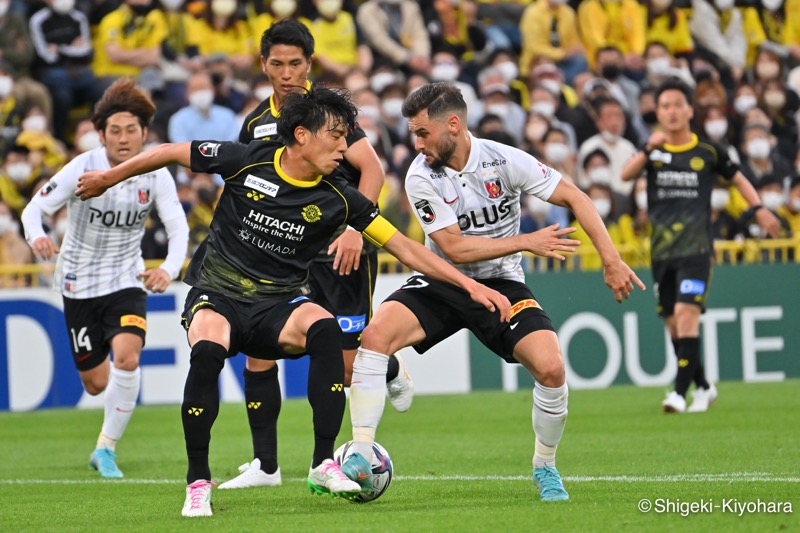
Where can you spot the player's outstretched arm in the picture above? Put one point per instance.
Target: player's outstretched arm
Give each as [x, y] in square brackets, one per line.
[417, 257]
[634, 166]
[618, 276]
[94, 183]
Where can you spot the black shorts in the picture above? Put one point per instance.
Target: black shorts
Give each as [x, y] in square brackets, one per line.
[443, 309]
[255, 326]
[93, 322]
[348, 298]
[684, 279]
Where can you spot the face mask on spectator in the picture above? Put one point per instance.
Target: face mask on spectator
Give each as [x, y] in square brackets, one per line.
[768, 70]
[556, 153]
[61, 227]
[509, 70]
[6, 85]
[758, 148]
[283, 8]
[202, 100]
[772, 200]
[603, 206]
[36, 123]
[392, 107]
[444, 72]
[499, 109]
[4, 8]
[743, 103]
[609, 137]
[641, 199]
[551, 85]
[62, 6]
[723, 5]
[600, 175]
[19, 171]
[5, 223]
[772, 5]
[172, 5]
[224, 8]
[659, 66]
[544, 108]
[88, 141]
[263, 92]
[719, 199]
[329, 8]
[774, 99]
[535, 131]
[610, 72]
[370, 111]
[717, 128]
[372, 136]
[381, 80]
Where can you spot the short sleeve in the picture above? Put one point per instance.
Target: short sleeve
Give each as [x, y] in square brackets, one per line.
[214, 157]
[726, 167]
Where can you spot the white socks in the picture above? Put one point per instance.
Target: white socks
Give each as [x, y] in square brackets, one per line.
[120, 400]
[367, 398]
[549, 418]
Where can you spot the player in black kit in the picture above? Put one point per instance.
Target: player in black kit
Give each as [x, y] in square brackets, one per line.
[280, 206]
[342, 276]
[681, 171]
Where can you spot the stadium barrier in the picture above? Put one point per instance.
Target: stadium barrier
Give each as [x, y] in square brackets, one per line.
[749, 333]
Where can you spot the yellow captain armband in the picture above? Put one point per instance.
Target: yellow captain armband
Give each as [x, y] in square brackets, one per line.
[379, 231]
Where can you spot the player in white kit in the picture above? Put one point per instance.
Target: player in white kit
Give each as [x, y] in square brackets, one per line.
[466, 194]
[100, 271]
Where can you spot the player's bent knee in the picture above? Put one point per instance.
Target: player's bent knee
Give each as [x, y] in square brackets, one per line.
[94, 384]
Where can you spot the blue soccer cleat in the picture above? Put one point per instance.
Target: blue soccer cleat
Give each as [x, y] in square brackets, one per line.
[359, 470]
[548, 480]
[103, 460]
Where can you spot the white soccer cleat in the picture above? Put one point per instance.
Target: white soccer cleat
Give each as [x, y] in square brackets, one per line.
[674, 403]
[702, 399]
[198, 499]
[401, 389]
[328, 478]
[251, 475]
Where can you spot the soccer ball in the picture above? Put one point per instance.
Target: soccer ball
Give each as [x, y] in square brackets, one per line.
[382, 470]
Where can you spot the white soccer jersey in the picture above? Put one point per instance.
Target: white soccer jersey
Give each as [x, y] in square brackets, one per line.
[483, 199]
[101, 251]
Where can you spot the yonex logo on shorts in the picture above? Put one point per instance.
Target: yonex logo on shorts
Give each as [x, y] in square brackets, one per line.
[524, 304]
[692, 286]
[133, 320]
[352, 324]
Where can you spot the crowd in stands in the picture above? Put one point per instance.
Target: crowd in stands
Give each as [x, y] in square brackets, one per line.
[570, 81]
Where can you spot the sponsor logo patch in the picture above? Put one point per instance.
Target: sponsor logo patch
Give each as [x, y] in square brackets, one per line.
[265, 130]
[352, 324]
[261, 185]
[208, 149]
[494, 188]
[312, 213]
[144, 196]
[692, 286]
[48, 188]
[134, 321]
[524, 304]
[425, 211]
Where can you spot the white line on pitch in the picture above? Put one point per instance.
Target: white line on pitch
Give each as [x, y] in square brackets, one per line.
[765, 477]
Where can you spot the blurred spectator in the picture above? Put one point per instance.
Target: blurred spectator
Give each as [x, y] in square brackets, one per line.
[713, 124]
[792, 213]
[781, 24]
[548, 75]
[767, 66]
[710, 92]
[202, 118]
[549, 29]
[724, 226]
[611, 125]
[773, 197]
[667, 25]
[47, 154]
[506, 61]
[16, 178]
[395, 30]
[760, 158]
[453, 26]
[501, 20]
[547, 104]
[337, 42]
[634, 224]
[446, 67]
[13, 248]
[10, 110]
[128, 43]
[781, 105]
[391, 106]
[537, 214]
[86, 137]
[63, 44]
[609, 65]
[662, 65]
[603, 200]
[180, 53]
[593, 92]
[494, 93]
[596, 169]
[617, 23]
[17, 53]
[201, 213]
[536, 126]
[221, 31]
[559, 153]
[227, 92]
[719, 29]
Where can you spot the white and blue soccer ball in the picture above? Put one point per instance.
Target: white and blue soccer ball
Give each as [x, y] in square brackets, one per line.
[382, 470]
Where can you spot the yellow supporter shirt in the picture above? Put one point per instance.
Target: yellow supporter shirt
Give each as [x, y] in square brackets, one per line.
[677, 39]
[611, 23]
[336, 40]
[120, 27]
[233, 41]
[754, 31]
[536, 25]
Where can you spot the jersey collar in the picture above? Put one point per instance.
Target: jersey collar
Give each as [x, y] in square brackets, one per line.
[288, 179]
[273, 109]
[682, 147]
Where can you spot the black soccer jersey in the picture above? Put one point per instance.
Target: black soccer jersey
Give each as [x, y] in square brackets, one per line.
[267, 226]
[679, 183]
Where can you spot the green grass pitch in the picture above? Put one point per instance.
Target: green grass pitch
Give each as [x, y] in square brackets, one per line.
[462, 463]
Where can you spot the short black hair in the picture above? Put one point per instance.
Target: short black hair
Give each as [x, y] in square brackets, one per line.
[674, 84]
[313, 108]
[596, 152]
[290, 32]
[438, 98]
